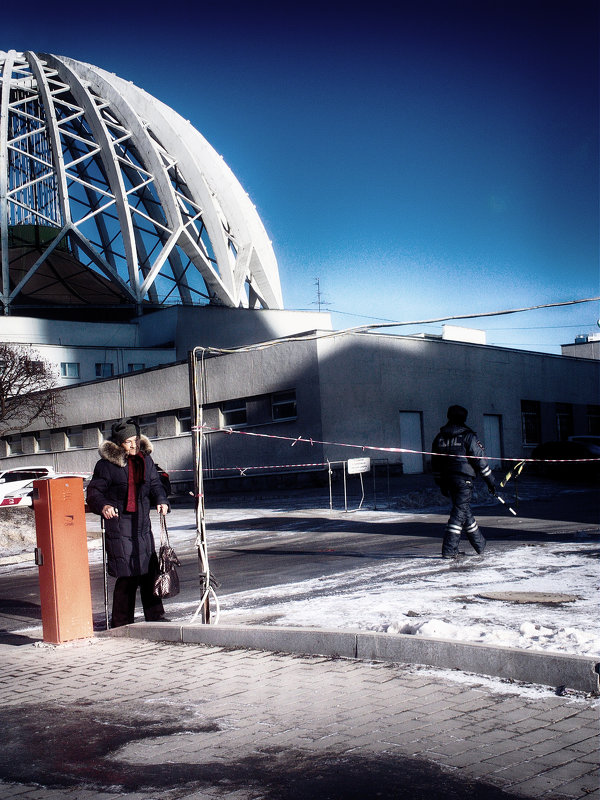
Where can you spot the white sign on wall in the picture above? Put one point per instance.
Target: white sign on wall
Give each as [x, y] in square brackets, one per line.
[357, 465]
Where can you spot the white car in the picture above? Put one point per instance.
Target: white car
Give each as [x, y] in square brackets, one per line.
[17, 482]
[17, 488]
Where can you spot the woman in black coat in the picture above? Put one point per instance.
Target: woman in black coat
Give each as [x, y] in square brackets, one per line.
[124, 485]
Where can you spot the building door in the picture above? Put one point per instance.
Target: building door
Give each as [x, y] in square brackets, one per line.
[492, 438]
[411, 437]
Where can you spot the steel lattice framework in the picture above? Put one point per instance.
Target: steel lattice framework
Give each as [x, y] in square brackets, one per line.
[108, 196]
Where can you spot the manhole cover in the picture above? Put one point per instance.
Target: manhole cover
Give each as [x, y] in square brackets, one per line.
[552, 598]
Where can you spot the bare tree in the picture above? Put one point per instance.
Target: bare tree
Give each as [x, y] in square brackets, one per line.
[28, 389]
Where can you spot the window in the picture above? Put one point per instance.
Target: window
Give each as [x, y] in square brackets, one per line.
[69, 369]
[43, 441]
[74, 437]
[14, 445]
[564, 421]
[593, 420]
[148, 426]
[530, 421]
[11, 476]
[34, 367]
[135, 367]
[105, 370]
[184, 420]
[283, 405]
[233, 413]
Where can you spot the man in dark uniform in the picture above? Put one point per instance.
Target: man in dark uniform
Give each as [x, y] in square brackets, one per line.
[459, 458]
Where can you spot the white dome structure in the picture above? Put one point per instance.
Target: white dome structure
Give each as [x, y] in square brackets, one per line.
[110, 199]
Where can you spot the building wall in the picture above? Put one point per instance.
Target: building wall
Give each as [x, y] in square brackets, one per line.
[34, 331]
[367, 379]
[259, 375]
[155, 339]
[218, 326]
[349, 389]
[588, 349]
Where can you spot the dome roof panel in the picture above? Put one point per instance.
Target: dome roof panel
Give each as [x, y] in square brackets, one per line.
[143, 199]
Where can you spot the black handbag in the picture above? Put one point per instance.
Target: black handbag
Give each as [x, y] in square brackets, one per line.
[166, 583]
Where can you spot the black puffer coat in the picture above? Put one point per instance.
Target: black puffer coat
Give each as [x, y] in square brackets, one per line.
[129, 539]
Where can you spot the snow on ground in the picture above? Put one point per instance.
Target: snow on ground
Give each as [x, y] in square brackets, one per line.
[426, 596]
[429, 597]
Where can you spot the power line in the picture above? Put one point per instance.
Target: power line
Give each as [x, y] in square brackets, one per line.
[375, 326]
[474, 316]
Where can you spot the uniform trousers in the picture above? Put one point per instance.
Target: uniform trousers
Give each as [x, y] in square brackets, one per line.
[460, 491]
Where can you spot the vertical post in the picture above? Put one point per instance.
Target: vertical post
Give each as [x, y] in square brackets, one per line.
[4, 167]
[345, 495]
[197, 441]
[374, 489]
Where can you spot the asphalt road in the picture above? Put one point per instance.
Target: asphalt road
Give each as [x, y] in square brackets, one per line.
[252, 548]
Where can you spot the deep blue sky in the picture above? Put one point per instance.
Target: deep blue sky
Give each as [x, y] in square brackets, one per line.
[421, 159]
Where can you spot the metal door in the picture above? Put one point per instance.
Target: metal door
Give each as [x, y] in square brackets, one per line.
[492, 438]
[411, 438]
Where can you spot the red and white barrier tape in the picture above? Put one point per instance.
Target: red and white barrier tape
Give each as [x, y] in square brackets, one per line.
[364, 447]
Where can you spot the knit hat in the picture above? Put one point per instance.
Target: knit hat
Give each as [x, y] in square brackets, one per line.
[457, 414]
[123, 429]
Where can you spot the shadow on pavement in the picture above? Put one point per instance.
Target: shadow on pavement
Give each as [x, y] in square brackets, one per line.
[520, 529]
[82, 744]
[15, 639]
[21, 608]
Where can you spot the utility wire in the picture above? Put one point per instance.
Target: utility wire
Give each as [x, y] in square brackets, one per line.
[376, 326]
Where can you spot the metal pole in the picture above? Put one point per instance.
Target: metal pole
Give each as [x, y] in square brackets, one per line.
[104, 572]
[197, 441]
[345, 496]
[374, 488]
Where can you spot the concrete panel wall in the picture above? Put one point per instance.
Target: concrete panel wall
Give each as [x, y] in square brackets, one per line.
[63, 332]
[218, 326]
[257, 375]
[349, 389]
[367, 379]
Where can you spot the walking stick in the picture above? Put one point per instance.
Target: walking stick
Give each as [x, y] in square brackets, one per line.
[104, 572]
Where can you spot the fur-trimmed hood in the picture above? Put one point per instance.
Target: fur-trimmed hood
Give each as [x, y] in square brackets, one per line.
[114, 453]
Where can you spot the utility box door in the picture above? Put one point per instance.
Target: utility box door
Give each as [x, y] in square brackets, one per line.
[62, 557]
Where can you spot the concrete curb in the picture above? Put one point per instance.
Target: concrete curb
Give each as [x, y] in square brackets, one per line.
[551, 669]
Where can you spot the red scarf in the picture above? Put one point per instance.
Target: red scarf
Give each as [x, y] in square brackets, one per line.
[136, 470]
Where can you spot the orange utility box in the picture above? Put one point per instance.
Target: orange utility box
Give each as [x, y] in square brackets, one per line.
[62, 558]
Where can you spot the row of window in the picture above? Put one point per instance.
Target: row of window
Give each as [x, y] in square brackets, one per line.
[234, 413]
[531, 421]
[104, 369]
[252, 411]
[75, 436]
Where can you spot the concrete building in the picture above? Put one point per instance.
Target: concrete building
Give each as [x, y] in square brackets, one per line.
[585, 346]
[339, 393]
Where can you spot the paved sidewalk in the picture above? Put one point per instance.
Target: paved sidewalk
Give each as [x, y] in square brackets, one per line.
[118, 717]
